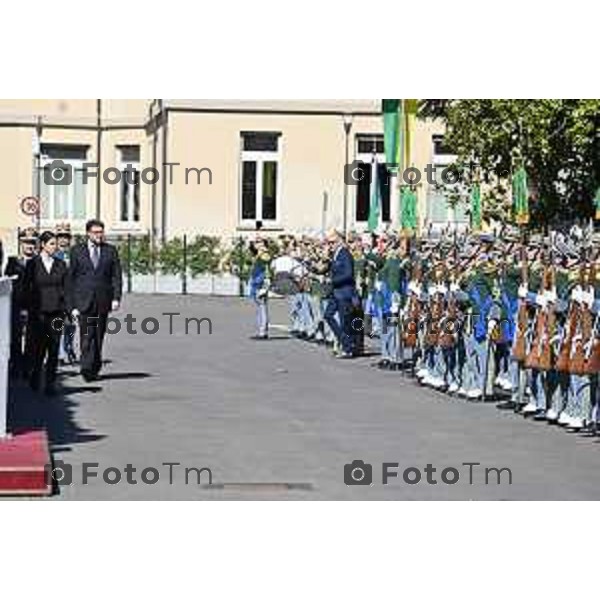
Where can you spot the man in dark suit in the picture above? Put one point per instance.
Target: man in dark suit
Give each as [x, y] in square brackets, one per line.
[94, 288]
[344, 295]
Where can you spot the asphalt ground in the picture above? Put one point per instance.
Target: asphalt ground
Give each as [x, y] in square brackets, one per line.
[280, 419]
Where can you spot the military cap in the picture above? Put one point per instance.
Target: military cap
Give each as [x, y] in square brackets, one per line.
[63, 230]
[29, 235]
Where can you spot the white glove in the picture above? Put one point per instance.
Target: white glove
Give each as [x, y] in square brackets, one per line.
[115, 305]
[23, 314]
[540, 300]
[75, 314]
[432, 290]
[395, 308]
[523, 291]
[587, 298]
[379, 285]
[413, 287]
[454, 287]
[492, 325]
[442, 289]
[550, 296]
[576, 294]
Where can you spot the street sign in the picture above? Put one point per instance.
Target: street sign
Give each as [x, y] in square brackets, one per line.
[30, 206]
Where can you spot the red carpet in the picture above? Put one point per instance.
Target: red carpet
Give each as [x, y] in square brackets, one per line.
[23, 459]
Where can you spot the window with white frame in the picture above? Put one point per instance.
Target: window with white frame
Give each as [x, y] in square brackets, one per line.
[260, 177]
[371, 151]
[440, 212]
[129, 186]
[63, 193]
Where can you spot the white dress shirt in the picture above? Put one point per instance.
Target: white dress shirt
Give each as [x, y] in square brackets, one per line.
[47, 261]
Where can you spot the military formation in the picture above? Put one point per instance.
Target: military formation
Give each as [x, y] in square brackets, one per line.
[506, 317]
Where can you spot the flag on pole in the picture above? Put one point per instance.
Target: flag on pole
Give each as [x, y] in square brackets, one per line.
[410, 112]
[375, 203]
[391, 130]
[597, 204]
[408, 202]
[399, 122]
[520, 196]
[476, 207]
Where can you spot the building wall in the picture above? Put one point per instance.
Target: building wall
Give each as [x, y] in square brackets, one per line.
[200, 133]
[312, 158]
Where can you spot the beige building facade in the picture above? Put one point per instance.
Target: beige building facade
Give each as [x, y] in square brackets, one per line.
[217, 167]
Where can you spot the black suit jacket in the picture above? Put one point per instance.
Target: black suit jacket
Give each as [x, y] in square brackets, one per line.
[44, 292]
[15, 266]
[93, 290]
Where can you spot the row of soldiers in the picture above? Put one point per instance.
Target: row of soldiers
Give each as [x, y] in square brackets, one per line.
[485, 317]
[21, 338]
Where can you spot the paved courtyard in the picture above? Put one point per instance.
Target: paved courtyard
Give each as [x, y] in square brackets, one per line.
[280, 419]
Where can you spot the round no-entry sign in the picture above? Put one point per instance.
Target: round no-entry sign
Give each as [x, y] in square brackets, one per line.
[30, 206]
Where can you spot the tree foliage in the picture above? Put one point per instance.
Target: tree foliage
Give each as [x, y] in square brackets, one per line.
[557, 140]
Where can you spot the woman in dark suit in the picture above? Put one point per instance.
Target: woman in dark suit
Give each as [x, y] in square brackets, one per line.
[44, 291]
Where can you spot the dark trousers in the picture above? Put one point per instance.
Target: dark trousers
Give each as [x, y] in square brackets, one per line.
[19, 328]
[92, 328]
[68, 339]
[342, 305]
[45, 329]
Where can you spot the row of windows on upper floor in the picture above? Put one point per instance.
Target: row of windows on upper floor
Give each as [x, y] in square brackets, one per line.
[259, 189]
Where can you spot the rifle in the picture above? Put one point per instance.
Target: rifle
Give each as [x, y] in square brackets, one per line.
[540, 325]
[448, 337]
[546, 350]
[520, 345]
[410, 333]
[564, 363]
[579, 359]
[593, 354]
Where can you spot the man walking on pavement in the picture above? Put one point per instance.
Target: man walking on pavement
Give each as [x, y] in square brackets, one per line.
[94, 289]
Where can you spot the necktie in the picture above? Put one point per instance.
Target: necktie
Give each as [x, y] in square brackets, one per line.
[95, 256]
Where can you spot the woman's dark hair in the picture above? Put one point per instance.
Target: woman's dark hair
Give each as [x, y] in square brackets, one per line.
[46, 237]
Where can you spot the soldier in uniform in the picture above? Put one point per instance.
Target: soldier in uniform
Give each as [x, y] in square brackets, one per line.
[67, 345]
[259, 287]
[578, 339]
[15, 268]
[481, 317]
[391, 278]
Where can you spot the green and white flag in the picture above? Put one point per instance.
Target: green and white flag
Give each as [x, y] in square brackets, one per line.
[476, 207]
[391, 130]
[375, 203]
[408, 204]
[520, 196]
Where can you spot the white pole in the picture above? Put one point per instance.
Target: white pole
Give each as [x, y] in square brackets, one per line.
[5, 293]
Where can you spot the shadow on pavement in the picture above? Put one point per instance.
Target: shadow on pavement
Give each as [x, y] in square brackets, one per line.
[125, 375]
[33, 410]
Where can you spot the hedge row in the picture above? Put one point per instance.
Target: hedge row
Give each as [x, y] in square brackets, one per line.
[203, 255]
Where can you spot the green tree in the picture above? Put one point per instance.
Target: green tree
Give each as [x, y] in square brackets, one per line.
[558, 141]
